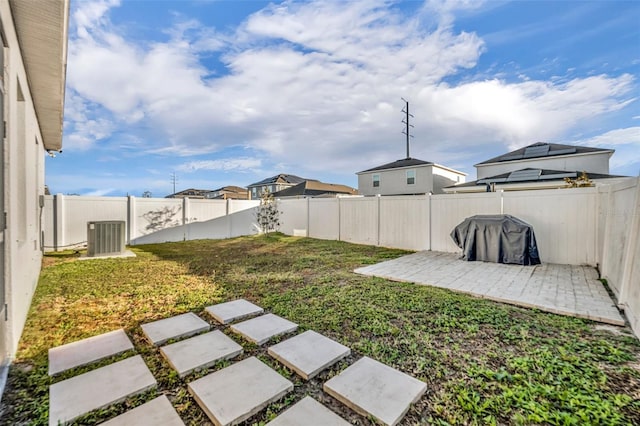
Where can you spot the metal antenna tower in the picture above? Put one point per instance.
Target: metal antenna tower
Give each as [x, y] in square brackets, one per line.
[174, 180]
[405, 121]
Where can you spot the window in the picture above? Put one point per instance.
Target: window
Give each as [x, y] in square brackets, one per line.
[411, 177]
[376, 181]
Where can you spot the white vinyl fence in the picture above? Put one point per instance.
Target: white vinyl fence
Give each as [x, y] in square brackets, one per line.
[66, 216]
[597, 226]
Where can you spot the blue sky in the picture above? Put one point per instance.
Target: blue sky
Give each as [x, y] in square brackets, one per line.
[231, 92]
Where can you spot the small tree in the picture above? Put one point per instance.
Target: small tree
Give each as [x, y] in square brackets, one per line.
[268, 215]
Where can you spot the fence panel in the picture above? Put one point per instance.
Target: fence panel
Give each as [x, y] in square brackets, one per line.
[293, 216]
[324, 218]
[404, 222]
[564, 222]
[448, 210]
[80, 210]
[203, 210]
[620, 201]
[359, 220]
[239, 205]
[154, 214]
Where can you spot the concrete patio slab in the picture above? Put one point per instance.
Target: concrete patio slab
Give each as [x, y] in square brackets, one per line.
[309, 353]
[99, 388]
[235, 393]
[560, 289]
[156, 412]
[184, 325]
[374, 389]
[260, 330]
[86, 351]
[308, 412]
[235, 310]
[200, 352]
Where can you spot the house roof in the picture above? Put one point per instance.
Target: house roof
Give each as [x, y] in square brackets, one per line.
[543, 149]
[230, 188]
[315, 188]
[405, 162]
[42, 30]
[281, 178]
[531, 175]
[190, 191]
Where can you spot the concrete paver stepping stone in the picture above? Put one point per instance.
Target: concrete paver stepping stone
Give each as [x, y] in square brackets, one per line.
[184, 325]
[228, 312]
[308, 412]
[156, 412]
[200, 352]
[309, 353]
[260, 330]
[374, 389]
[88, 350]
[74, 397]
[235, 393]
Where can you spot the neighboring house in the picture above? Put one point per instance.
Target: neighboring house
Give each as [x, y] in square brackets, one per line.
[190, 193]
[549, 156]
[32, 83]
[228, 193]
[273, 184]
[539, 166]
[407, 176]
[315, 188]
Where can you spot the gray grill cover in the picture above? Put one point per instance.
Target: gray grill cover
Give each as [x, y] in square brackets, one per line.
[497, 238]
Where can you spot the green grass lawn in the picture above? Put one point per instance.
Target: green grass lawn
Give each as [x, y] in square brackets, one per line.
[484, 362]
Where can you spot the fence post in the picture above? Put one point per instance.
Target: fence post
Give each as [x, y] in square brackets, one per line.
[339, 219]
[131, 218]
[58, 225]
[502, 201]
[430, 219]
[308, 220]
[378, 222]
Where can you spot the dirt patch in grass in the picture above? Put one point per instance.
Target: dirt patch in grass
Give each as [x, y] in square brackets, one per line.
[484, 362]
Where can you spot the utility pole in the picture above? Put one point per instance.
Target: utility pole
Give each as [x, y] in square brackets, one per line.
[174, 180]
[405, 121]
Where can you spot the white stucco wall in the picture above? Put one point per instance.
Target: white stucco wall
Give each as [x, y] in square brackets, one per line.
[24, 183]
[394, 181]
[597, 162]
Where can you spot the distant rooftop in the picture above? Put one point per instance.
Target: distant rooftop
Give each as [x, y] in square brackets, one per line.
[405, 162]
[543, 149]
[281, 178]
[315, 188]
[191, 192]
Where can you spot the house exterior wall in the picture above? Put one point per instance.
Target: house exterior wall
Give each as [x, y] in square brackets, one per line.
[255, 192]
[597, 162]
[23, 183]
[444, 177]
[394, 181]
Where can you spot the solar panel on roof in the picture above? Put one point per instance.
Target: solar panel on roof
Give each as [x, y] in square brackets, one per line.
[536, 151]
[524, 175]
[563, 151]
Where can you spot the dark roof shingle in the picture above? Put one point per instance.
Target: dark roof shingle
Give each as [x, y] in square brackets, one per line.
[542, 149]
[405, 162]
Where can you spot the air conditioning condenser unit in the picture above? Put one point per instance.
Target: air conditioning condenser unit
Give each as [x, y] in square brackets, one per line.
[105, 238]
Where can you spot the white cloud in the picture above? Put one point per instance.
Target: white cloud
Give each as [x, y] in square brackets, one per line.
[316, 83]
[99, 192]
[238, 164]
[613, 138]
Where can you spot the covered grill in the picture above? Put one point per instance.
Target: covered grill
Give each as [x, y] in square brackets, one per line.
[497, 238]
